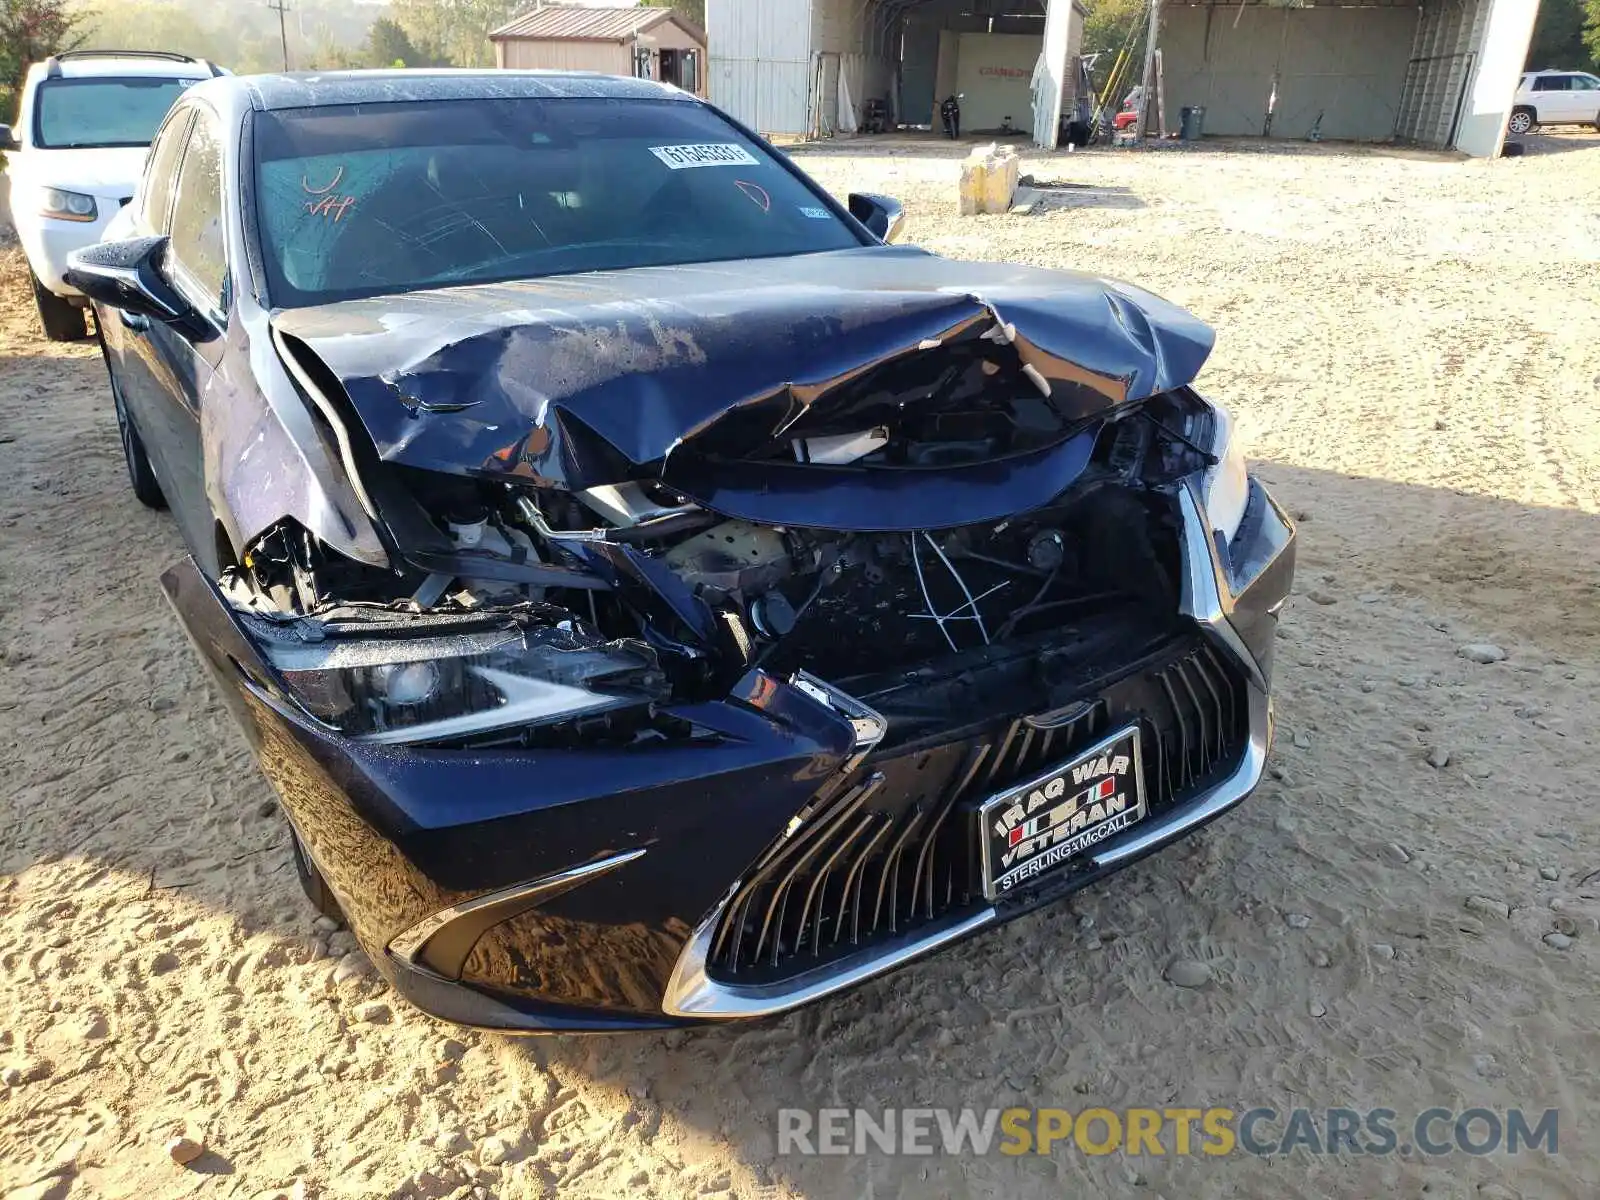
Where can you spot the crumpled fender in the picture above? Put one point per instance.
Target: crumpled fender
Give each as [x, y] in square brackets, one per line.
[265, 459]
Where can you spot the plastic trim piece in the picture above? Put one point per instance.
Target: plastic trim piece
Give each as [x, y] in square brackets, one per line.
[1207, 598]
[439, 945]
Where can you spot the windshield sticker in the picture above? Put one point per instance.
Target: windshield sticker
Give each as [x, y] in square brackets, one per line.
[706, 154]
[329, 203]
[756, 192]
[816, 214]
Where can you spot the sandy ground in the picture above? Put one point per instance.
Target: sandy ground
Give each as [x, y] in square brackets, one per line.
[1411, 345]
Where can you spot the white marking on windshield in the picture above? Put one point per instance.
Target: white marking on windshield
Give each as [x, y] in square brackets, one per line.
[705, 154]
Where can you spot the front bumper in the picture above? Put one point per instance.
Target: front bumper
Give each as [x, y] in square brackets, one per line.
[540, 891]
[47, 241]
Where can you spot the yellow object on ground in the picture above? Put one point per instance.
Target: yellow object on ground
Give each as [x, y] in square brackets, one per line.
[989, 179]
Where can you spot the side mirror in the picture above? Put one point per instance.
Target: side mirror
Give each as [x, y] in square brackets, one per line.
[884, 216]
[127, 275]
[8, 139]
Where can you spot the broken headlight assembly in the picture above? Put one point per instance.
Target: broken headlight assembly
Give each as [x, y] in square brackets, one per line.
[389, 690]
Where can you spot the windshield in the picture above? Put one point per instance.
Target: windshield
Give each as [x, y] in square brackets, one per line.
[71, 113]
[357, 200]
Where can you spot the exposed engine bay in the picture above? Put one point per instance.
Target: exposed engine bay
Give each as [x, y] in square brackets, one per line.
[533, 614]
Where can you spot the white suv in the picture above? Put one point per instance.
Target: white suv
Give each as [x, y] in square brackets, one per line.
[1556, 98]
[83, 127]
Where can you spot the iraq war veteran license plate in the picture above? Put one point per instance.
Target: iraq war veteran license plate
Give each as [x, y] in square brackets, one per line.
[1037, 826]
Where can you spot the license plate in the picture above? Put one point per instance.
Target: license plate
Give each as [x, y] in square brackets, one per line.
[1037, 826]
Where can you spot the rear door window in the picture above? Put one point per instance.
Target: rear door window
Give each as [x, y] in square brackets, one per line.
[160, 172]
[1550, 83]
[198, 251]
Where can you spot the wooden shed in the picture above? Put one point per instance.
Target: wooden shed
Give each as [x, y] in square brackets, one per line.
[652, 43]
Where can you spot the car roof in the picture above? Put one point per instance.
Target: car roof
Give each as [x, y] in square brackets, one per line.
[95, 64]
[309, 89]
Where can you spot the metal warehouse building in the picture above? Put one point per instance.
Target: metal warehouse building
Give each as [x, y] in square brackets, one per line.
[802, 66]
[1439, 73]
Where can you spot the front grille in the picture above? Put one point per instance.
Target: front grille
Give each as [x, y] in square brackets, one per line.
[895, 846]
[1202, 728]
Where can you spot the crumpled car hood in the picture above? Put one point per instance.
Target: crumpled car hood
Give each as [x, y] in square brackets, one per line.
[586, 379]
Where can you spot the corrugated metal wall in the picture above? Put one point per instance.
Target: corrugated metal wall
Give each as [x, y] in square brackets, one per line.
[776, 64]
[761, 61]
[1346, 64]
[1441, 67]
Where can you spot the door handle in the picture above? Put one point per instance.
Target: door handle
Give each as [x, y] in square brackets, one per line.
[137, 322]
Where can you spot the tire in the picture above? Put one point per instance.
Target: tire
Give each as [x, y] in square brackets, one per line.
[62, 320]
[313, 884]
[1522, 120]
[140, 475]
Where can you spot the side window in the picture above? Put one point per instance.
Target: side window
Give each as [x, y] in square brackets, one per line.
[198, 250]
[1550, 83]
[160, 165]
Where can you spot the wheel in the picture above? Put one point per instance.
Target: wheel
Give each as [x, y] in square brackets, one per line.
[1522, 120]
[145, 485]
[313, 884]
[63, 321]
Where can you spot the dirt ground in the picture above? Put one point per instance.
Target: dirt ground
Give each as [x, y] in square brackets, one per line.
[1411, 345]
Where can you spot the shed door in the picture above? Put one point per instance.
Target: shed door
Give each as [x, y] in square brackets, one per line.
[1050, 73]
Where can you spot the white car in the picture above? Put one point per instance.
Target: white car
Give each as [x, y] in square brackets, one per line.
[1555, 98]
[83, 127]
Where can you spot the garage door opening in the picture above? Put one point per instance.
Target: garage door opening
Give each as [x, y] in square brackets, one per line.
[819, 67]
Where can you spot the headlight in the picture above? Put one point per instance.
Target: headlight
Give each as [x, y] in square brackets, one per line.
[415, 689]
[67, 206]
[1227, 484]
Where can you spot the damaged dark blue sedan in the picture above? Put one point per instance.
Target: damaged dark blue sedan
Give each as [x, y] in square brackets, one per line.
[654, 596]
